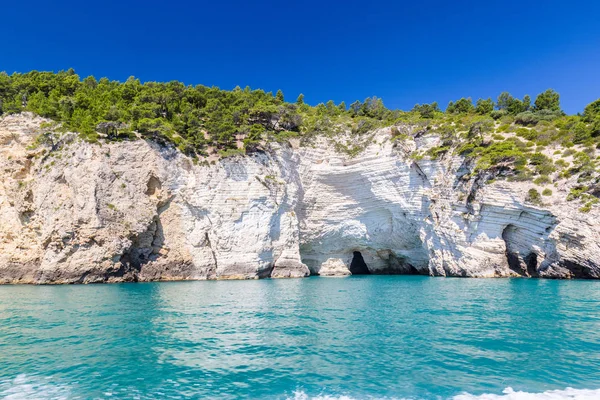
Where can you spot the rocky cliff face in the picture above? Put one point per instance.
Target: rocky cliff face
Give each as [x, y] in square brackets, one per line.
[75, 212]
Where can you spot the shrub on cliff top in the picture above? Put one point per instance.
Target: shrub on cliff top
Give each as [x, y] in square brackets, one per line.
[500, 152]
[533, 196]
[526, 118]
[426, 110]
[462, 106]
[592, 111]
[548, 100]
[484, 107]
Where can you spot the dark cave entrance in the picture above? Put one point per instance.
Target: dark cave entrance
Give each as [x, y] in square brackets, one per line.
[524, 265]
[358, 265]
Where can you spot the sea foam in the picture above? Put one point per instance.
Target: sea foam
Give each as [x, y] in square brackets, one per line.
[507, 394]
[510, 394]
[24, 387]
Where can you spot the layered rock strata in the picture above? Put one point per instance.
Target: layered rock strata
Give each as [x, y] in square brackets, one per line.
[76, 212]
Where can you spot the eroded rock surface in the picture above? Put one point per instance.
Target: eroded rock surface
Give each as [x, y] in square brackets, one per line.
[75, 212]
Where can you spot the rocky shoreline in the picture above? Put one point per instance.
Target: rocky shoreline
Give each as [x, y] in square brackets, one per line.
[76, 212]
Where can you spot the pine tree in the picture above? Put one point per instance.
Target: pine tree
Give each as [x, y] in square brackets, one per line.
[279, 96]
[526, 102]
[484, 107]
[548, 100]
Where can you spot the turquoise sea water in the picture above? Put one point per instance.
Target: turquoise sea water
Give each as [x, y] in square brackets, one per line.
[361, 337]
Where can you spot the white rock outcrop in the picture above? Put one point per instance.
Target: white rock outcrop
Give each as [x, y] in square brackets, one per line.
[72, 211]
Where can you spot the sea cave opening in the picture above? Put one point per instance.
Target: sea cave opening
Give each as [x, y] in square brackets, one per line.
[358, 266]
[522, 262]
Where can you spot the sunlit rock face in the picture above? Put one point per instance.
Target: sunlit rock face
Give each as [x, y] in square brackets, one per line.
[138, 211]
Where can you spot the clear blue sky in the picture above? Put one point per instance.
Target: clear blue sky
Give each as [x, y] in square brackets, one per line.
[403, 52]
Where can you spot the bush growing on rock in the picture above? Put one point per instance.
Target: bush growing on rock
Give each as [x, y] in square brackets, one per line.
[507, 152]
[542, 180]
[595, 127]
[363, 125]
[478, 128]
[577, 192]
[533, 196]
[548, 115]
[581, 133]
[542, 164]
[526, 118]
[592, 111]
[527, 134]
[497, 114]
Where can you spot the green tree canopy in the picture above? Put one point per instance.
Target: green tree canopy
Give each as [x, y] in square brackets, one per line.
[462, 106]
[526, 102]
[504, 101]
[592, 110]
[512, 105]
[426, 110]
[548, 100]
[484, 107]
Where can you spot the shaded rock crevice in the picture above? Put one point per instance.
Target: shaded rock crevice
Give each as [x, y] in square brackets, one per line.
[149, 245]
[358, 265]
[145, 247]
[521, 258]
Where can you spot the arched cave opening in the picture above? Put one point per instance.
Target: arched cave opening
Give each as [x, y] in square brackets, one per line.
[358, 265]
[531, 263]
[521, 260]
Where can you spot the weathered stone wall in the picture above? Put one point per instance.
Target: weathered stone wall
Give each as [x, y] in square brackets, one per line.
[71, 212]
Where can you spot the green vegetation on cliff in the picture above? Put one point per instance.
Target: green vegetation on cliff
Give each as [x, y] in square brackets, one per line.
[191, 117]
[198, 119]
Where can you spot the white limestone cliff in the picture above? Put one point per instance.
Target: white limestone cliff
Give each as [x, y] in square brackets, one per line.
[72, 211]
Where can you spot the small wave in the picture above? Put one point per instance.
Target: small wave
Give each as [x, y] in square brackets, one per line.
[507, 394]
[510, 394]
[24, 387]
